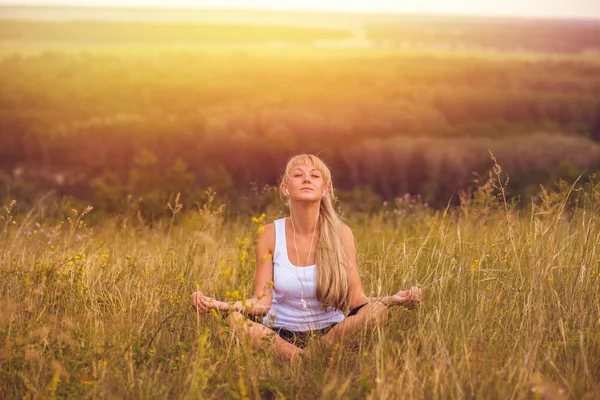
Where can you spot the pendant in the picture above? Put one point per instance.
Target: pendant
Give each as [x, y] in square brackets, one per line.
[303, 303]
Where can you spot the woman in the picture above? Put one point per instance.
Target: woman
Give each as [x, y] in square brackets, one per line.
[306, 273]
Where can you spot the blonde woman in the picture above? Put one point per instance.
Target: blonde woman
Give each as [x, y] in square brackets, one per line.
[306, 276]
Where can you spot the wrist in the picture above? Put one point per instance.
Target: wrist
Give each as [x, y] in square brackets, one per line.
[387, 301]
[240, 306]
[220, 305]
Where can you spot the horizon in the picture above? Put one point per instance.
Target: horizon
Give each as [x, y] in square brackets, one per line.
[581, 9]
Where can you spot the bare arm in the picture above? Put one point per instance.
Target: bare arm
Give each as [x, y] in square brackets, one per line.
[357, 295]
[406, 298]
[260, 303]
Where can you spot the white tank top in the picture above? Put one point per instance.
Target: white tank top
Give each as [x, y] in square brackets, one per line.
[291, 285]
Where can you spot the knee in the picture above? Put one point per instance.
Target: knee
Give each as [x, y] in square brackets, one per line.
[384, 314]
[234, 319]
[377, 312]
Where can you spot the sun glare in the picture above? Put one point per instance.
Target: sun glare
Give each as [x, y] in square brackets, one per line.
[545, 8]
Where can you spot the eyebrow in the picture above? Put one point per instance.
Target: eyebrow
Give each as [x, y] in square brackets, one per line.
[298, 168]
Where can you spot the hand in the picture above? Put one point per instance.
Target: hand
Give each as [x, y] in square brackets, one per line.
[408, 298]
[201, 303]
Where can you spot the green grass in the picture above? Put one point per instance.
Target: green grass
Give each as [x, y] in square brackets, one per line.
[510, 306]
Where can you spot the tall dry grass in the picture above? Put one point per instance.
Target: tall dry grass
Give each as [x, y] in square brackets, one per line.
[511, 304]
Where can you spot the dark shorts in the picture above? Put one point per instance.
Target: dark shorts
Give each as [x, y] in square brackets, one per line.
[301, 339]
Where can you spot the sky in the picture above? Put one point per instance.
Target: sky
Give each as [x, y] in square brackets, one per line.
[589, 9]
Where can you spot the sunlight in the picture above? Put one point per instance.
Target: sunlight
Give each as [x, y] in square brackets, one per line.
[540, 8]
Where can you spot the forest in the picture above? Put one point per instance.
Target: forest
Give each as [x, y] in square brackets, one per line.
[99, 121]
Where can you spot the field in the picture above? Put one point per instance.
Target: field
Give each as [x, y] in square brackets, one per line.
[511, 304]
[98, 123]
[98, 108]
[140, 154]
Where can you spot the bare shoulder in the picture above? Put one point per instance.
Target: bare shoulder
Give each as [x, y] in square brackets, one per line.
[347, 233]
[266, 237]
[348, 239]
[349, 245]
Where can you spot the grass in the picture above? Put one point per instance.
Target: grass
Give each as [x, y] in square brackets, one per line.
[98, 307]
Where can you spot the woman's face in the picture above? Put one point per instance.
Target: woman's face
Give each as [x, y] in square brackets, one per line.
[305, 183]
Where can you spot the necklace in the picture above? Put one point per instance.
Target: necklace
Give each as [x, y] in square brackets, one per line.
[302, 301]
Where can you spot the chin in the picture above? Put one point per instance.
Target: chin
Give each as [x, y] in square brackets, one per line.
[308, 196]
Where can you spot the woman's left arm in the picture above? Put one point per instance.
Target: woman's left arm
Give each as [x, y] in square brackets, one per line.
[406, 298]
[357, 295]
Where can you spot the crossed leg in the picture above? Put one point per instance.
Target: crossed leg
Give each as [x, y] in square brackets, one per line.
[258, 333]
[347, 332]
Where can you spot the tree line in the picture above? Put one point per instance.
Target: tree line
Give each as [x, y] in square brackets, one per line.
[101, 125]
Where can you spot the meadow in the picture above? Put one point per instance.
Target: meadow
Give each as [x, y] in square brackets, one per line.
[139, 160]
[510, 310]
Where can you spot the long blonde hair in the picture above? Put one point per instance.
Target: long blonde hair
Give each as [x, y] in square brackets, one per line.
[331, 259]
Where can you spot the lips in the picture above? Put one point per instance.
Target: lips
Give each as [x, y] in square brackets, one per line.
[306, 189]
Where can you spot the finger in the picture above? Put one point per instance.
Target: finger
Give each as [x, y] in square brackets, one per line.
[194, 300]
[202, 303]
[199, 302]
[198, 306]
[206, 305]
[417, 296]
[206, 300]
[412, 293]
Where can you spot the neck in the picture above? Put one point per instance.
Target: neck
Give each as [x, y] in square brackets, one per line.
[304, 216]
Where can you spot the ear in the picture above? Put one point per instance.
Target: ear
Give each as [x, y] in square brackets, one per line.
[283, 189]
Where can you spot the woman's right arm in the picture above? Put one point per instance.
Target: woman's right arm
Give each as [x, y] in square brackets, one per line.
[260, 303]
